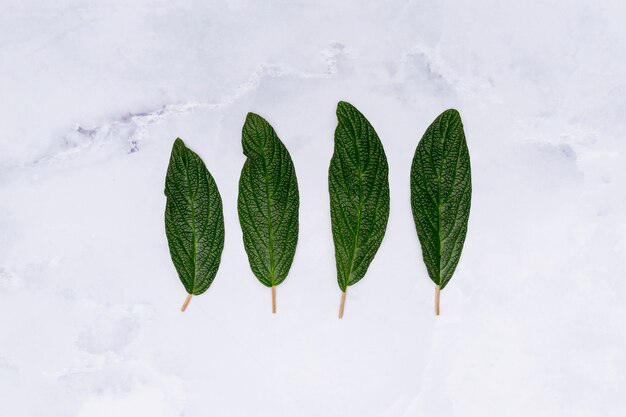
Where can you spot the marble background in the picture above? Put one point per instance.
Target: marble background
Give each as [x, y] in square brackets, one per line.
[93, 95]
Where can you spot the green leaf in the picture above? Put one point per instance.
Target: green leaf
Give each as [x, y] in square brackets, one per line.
[441, 194]
[194, 222]
[359, 194]
[268, 202]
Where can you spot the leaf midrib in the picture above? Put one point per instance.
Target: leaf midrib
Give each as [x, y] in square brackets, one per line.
[440, 199]
[192, 198]
[439, 221]
[269, 216]
[356, 247]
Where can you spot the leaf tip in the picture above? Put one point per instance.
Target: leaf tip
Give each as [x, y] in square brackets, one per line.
[452, 113]
[343, 105]
[253, 118]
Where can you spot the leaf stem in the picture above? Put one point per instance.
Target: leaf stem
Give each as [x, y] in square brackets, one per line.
[186, 303]
[343, 303]
[274, 299]
[437, 292]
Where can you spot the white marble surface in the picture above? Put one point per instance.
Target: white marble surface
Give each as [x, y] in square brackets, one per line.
[92, 96]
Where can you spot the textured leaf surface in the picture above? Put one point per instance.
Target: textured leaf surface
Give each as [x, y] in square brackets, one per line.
[441, 193]
[359, 194]
[194, 221]
[268, 202]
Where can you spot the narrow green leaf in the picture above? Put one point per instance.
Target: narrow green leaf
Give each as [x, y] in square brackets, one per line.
[194, 221]
[441, 194]
[268, 202]
[359, 194]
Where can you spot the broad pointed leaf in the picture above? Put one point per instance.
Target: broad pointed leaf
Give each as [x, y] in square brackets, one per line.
[194, 221]
[441, 193]
[359, 194]
[268, 202]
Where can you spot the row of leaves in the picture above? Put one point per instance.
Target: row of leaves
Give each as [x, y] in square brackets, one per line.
[268, 203]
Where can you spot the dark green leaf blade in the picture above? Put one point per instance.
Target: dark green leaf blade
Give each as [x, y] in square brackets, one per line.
[441, 194]
[359, 194]
[268, 202]
[194, 221]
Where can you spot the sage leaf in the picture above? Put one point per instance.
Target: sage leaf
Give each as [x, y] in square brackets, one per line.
[441, 194]
[268, 203]
[194, 221]
[359, 196]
